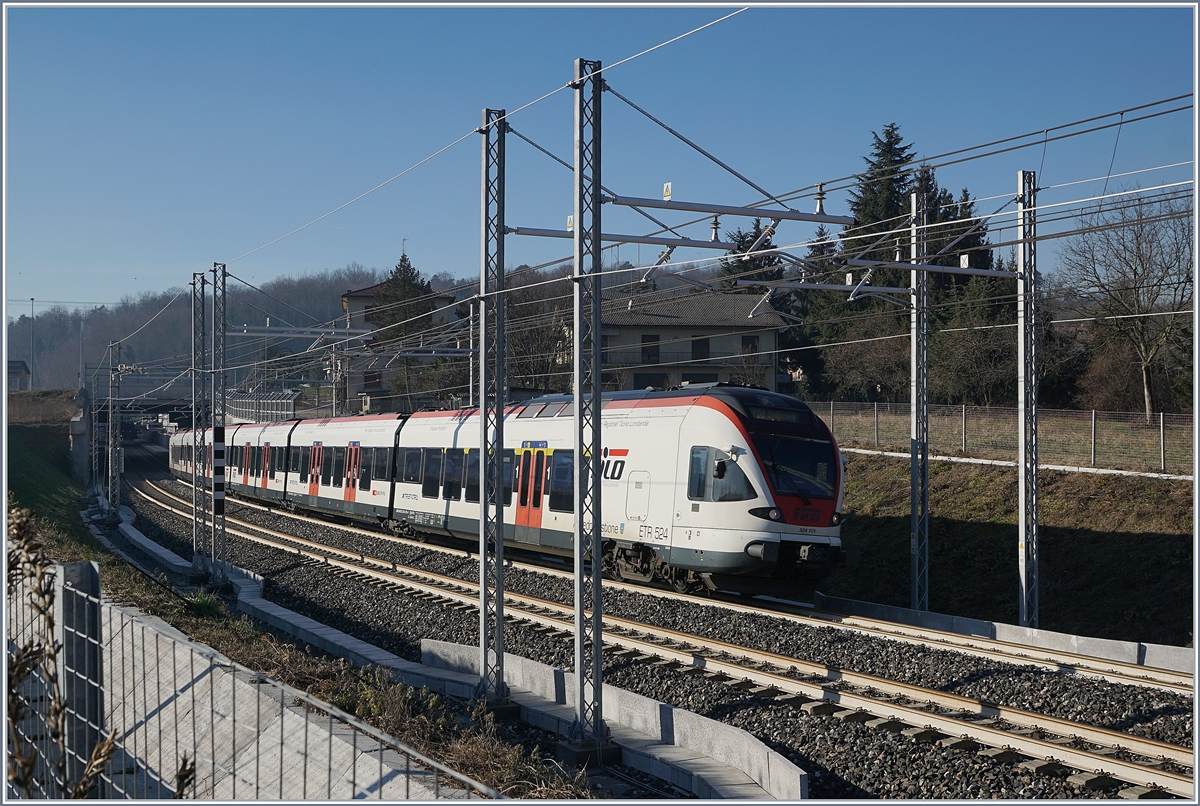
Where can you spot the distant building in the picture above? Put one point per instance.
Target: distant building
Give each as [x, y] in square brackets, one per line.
[365, 376]
[664, 341]
[18, 376]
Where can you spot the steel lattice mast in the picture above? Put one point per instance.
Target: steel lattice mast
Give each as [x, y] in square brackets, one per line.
[919, 403]
[1027, 394]
[114, 431]
[589, 717]
[492, 377]
[199, 387]
[218, 420]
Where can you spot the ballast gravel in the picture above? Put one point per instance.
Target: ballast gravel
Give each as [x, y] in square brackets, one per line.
[844, 759]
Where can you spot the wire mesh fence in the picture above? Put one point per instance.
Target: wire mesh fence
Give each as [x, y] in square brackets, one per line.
[182, 717]
[1159, 443]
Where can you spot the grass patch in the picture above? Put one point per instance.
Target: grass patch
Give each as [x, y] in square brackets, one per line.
[1116, 553]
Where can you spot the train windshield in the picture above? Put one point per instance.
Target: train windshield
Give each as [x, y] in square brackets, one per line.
[798, 466]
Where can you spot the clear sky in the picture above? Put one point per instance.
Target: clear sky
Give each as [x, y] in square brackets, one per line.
[143, 144]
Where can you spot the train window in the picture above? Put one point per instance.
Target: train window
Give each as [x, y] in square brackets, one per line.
[562, 481]
[523, 487]
[452, 486]
[279, 458]
[531, 410]
[798, 466]
[272, 460]
[472, 491]
[412, 465]
[733, 485]
[294, 460]
[552, 409]
[383, 461]
[697, 474]
[339, 466]
[326, 468]
[256, 467]
[431, 480]
[365, 461]
[509, 461]
[304, 457]
[539, 473]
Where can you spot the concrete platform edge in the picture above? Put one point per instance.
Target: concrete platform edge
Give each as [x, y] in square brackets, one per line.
[706, 774]
[649, 731]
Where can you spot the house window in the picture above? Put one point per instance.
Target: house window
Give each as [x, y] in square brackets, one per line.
[700, 348]
[650, 345]
[749, 345]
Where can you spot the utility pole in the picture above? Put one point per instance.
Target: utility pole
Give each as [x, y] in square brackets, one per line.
[589, 723]
[218, 420]
[492, 372]
[200, 554]
[31, 343]
[919, 402]
[1027, 395]
[114, 433]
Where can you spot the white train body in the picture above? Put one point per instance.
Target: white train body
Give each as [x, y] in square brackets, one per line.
[730, 487]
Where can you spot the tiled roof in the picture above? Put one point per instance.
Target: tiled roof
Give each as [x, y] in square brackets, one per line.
[690, 310]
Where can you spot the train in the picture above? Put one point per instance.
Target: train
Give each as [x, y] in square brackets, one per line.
[707, 487]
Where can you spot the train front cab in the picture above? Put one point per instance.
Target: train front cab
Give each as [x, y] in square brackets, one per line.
[760, 508]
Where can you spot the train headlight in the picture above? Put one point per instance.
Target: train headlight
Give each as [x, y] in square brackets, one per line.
[836, 519]
[767, 513]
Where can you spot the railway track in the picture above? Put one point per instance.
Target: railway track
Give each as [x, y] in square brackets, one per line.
[990, 649]
[1046, 744]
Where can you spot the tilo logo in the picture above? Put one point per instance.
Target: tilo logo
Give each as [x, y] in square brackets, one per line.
[613, 467]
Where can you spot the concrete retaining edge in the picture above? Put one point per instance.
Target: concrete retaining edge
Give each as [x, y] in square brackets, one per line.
[663, 723]
[685, 749]
[1158, 656]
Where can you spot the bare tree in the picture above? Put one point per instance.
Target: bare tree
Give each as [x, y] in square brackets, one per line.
[1135, 260]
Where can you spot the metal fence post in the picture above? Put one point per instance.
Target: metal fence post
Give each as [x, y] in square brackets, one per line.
[1093, 437]
[1162, 443]
[876, 423]
[831, 417]
[81, 679]
[964, 434]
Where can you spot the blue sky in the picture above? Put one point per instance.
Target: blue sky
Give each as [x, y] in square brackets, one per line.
[143, 144]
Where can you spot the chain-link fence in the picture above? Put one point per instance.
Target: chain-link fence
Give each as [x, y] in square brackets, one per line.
[1160, 443]
[181, 717]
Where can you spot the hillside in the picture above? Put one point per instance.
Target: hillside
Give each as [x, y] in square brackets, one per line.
[1116, 553]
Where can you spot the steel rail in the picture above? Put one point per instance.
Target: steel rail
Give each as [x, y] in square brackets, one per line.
[681, 648]
[989, 648]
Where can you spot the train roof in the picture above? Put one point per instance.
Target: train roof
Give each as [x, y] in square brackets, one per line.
[748, 401]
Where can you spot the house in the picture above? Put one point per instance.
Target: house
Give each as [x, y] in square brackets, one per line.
[664, 341]
[18, 376]
[365, 372]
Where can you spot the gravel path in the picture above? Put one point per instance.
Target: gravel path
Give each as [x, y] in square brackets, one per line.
[845, 760]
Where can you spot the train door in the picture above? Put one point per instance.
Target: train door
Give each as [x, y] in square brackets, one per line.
[353, 458]
[531, 474]
[637, 497]
[314, 471]
[266, 465]
[246, 464]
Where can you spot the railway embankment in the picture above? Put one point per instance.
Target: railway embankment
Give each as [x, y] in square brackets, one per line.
[1116, 553]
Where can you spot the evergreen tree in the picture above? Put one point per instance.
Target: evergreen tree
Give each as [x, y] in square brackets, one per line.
[402, 303]
[881, 196]
[759, 267]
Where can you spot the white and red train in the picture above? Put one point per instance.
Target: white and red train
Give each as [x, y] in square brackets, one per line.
[727, 487]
